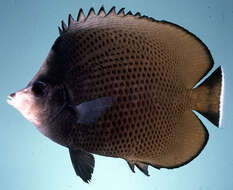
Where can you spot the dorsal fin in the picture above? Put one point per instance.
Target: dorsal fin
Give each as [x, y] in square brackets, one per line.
[137, 14]
[102, 12]
[64, 26]
[91, 13]
[129, 13]
[70, 20]
[121, 12]
[81, 16]
[60, 30]
[112, 11]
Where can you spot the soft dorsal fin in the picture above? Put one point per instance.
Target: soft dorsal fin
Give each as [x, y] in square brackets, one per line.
[193, 56]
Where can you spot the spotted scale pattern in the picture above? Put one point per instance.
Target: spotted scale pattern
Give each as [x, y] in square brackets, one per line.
[140, 73]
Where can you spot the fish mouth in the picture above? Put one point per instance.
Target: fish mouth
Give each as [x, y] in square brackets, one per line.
[10, 100]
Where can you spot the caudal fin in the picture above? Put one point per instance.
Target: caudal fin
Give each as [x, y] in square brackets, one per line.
[208, 96]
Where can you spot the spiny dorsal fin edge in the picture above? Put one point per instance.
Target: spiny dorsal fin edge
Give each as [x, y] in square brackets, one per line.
[101, 13]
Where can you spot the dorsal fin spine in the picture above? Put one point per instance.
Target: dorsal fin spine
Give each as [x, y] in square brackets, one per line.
[91, 13]
[121, 12]
[129, 13]
[137, 14]
[101, 11]
[60, 30]
[70, 20]
[112, 11]
[64, 26]
[81, 16]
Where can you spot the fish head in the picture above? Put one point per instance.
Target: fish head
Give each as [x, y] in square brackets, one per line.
[45, 102]
[44, 95]
[40, 102]
[46, 107]
[31, 101]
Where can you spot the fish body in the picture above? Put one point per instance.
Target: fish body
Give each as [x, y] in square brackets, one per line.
[122, 85]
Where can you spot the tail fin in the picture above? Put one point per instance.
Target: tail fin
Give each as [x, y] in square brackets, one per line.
[207, 97]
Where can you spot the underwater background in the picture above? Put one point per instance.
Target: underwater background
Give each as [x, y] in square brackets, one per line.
[30, 161]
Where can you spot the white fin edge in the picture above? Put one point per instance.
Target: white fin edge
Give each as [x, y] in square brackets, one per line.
[221, 99]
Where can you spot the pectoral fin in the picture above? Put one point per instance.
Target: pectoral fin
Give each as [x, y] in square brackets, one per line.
[90, 111]
[83, 164]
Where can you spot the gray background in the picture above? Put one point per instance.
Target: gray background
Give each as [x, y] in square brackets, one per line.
[28, 160]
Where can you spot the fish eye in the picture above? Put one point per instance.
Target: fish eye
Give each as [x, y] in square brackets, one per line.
[38, 88]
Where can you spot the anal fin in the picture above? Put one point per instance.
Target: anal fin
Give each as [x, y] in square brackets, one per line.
[190, 137]
[131, 165]
[141, 166]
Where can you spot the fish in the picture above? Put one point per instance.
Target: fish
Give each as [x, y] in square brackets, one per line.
[127, 86]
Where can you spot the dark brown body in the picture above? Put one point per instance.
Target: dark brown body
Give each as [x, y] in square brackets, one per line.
[150, 98]
[140, 70]
[148, 68]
